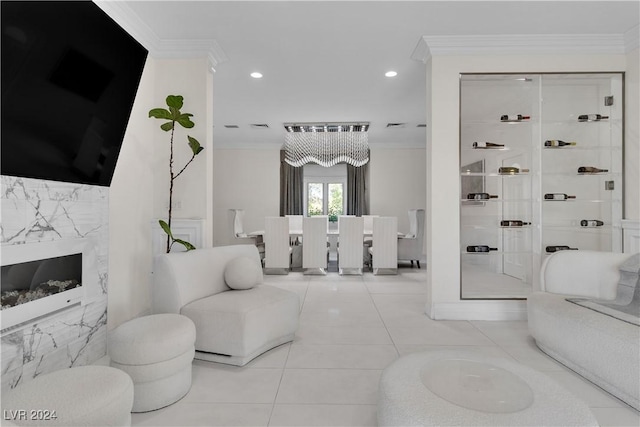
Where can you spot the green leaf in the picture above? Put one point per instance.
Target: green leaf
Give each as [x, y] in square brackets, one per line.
[166, 228]
[185, 121]
[175, 113]
[160, 113]
[166, 126]
[195, 145]
[175, 101]
[186, 244]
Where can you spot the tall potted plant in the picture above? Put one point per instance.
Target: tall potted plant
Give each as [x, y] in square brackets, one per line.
[172, 116]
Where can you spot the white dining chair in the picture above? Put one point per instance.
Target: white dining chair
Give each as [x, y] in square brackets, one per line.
[238, 234]
[315, 252]
[368, 223]
[295, 223]
[384, 251]
[350, 238]
[368, 231]
[277, 258]
[410, 244]
[295, 239]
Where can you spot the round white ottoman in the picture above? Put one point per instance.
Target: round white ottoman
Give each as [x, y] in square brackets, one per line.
[82, 396]
[157, 352]
[460, 388]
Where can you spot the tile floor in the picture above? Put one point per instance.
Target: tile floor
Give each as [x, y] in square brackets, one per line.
[351, 328]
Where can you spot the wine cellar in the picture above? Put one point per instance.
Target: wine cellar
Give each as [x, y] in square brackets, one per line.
[541, 160]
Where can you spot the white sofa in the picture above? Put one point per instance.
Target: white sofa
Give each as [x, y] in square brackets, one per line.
[232, 326]
[601, 348]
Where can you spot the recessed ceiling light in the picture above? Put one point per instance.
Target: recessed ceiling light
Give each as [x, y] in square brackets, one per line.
[256, 75]
[391, 73]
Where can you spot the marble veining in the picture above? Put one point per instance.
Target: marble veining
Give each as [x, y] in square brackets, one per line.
[39, 211]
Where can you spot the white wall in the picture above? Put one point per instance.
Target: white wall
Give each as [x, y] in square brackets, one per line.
[131, 210]
[443, 223]
[398, 182]
[139, 190]
[249, 179]
[246, 179]
[188, 78]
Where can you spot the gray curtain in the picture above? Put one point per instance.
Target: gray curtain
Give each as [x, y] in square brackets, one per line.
[291, 188]
[358, 190]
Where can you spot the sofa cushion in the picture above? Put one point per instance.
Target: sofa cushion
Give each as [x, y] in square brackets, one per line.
[242, 273]
[237, 322]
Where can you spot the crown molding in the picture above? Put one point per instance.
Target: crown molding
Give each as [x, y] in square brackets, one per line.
[516, 44]
[122, 14]
[632, 39]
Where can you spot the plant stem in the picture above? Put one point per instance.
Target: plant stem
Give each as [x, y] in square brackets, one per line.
[171, 178]
[185, 166]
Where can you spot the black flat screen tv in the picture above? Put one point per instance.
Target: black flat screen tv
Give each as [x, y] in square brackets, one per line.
[70, 75]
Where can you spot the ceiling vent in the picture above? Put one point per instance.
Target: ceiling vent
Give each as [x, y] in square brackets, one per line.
[259, 126]
[232, 126]
[396, 125]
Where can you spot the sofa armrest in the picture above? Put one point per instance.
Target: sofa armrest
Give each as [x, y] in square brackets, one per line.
[590, 274]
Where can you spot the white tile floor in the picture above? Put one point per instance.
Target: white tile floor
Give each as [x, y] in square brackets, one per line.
[351, 328]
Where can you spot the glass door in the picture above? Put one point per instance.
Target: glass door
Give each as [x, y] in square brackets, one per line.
[498, 122]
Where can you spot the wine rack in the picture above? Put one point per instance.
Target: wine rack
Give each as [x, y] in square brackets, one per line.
[545, 152]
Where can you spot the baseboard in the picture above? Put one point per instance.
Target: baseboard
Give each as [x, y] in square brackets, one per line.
[480, 310]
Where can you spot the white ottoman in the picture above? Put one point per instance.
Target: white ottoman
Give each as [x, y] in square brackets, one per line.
[460, 388]
[82, 396]
[157, 352]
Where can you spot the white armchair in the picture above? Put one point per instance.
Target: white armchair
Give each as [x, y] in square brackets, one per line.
[411, 244]
[350, 238]
[232, 326]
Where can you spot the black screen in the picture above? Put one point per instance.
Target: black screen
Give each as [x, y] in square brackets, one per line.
[69, 78]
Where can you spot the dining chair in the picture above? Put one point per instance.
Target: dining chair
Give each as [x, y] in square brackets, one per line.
[350, 238]
[277, 259]
[368, 240]
[295, 239]
[384, 251]
[410, 244]
[315, 252]
[239, 236]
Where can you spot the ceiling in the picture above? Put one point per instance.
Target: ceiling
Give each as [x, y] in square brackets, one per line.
[324, 61]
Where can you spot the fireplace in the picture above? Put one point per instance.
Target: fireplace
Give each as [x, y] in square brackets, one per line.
[42, 278]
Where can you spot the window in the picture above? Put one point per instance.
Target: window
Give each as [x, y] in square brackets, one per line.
[325, 191]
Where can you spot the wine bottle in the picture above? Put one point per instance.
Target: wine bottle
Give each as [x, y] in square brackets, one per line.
[487, 145]
[513, 223]
[481, 196]
[480, 248]
[513, 117]
[557, 143]
[591, 169]
[591, 117]
[557, 196]
[556, 248]
[591, 223]
[510, 170]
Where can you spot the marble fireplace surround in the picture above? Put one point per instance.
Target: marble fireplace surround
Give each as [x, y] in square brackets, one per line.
[48, 213]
